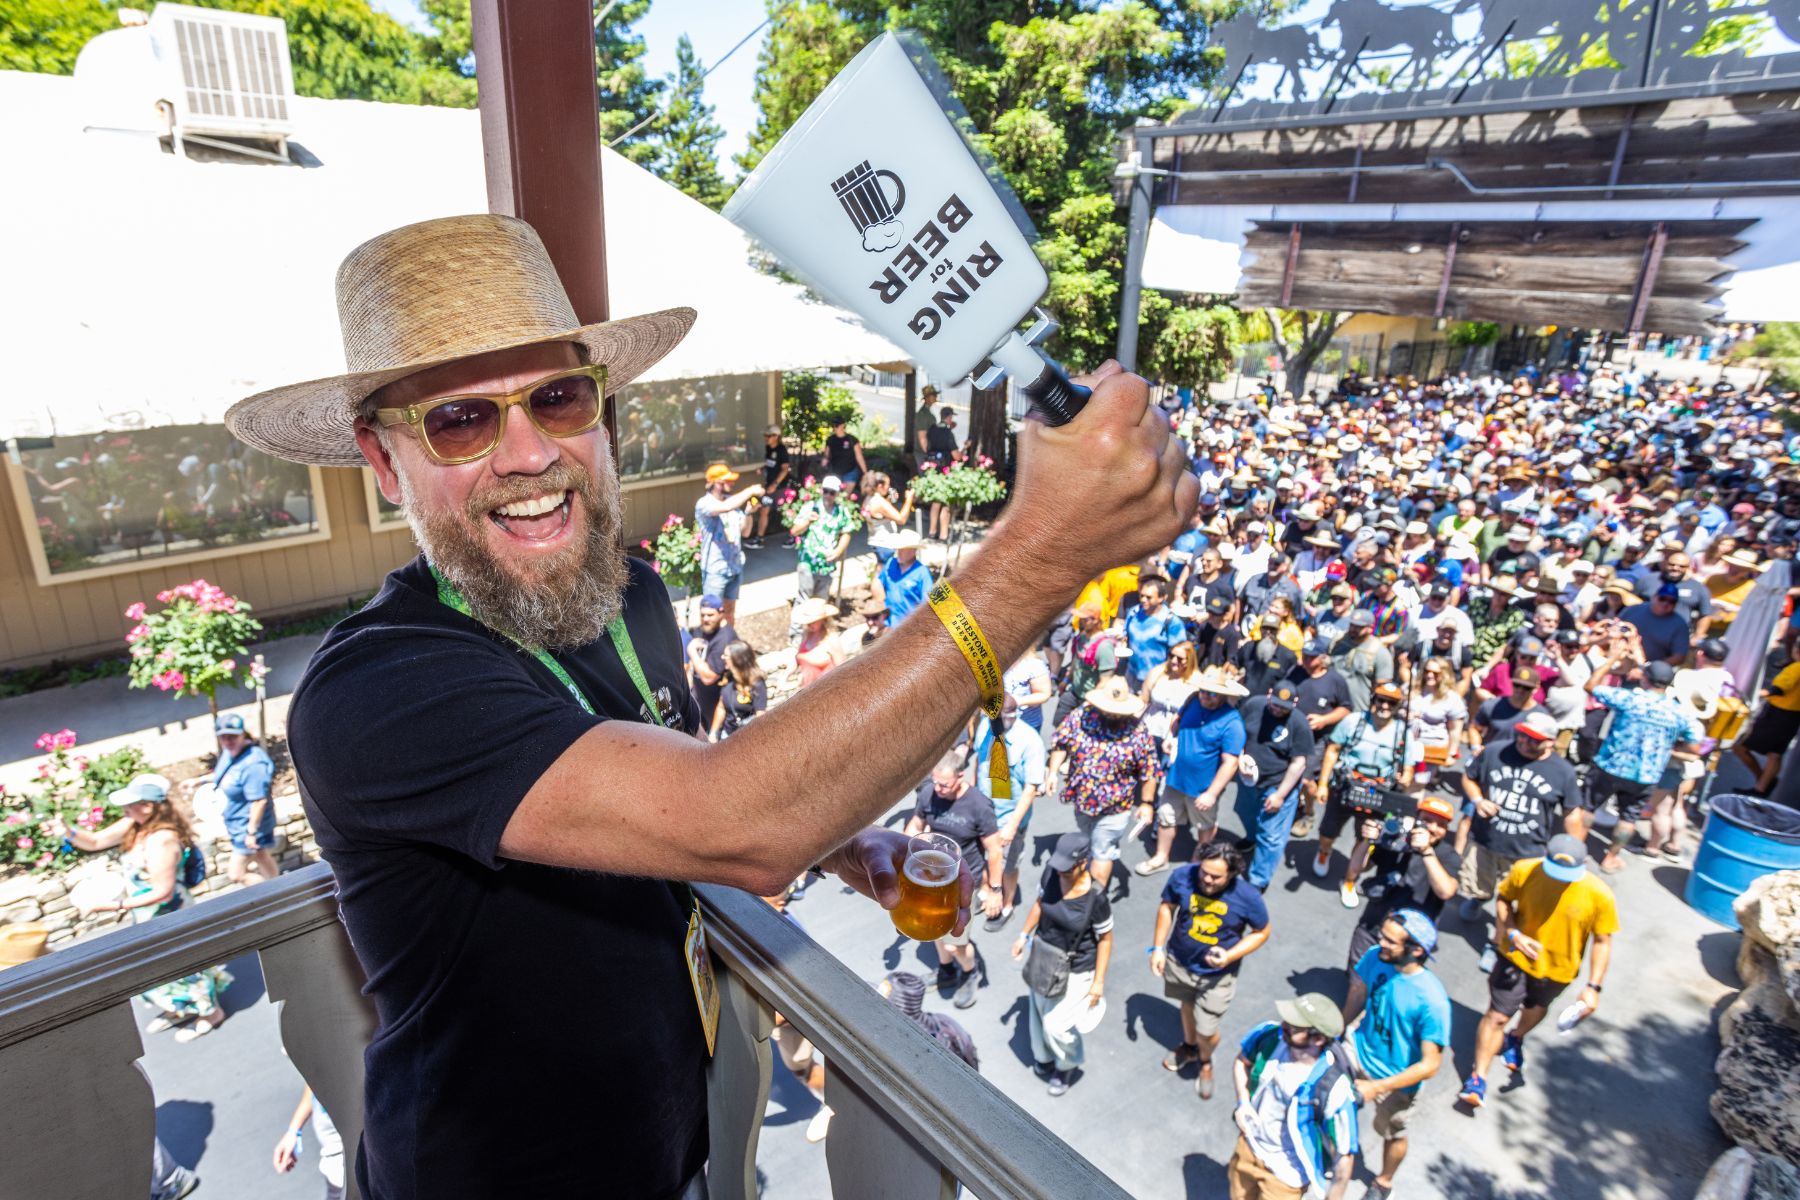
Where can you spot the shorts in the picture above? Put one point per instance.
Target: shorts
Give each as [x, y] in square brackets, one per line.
[1672, 775]
[1335, 816]
[1015, 852]
[237, 827]
[1481, 872]
[1628, 795]
[1210, 993]
[1362, 938]
[808, 585]
[1177, 808]
[1510, 988]
[723, 584]
[796, 1051]
[1104, 833]
[1773, 731]
[1393, 1112]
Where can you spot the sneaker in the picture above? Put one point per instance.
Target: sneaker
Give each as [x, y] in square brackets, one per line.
[1181, 1056]
[819, 1125]
[1203, 1082]
[1321, 863]
[1512, 1052]
[1489, 956]
[1470, 910]
[1059, 1083]
[1150, 867]
[181, 1182]
[1043, 1070]
[1474, 1091]
[965, 995]
[948, 974]
[1347, 894]
[751, 543]
[996, 924]
[1673, 856]
[1378, 1191]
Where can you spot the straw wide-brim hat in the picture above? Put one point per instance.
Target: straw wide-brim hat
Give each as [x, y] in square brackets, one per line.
[1115, 699]
[22, 941]
[431, 293]
[813, 609]
[1219, 682]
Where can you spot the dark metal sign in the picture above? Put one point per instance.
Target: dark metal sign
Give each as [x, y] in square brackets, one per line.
[1366, 58]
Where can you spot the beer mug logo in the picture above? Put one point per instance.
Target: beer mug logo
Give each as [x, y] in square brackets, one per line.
[866, 202]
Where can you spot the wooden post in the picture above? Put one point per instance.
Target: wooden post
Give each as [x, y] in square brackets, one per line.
[1287, 270]
[534, 67]
[909, 423]
[1443, 292]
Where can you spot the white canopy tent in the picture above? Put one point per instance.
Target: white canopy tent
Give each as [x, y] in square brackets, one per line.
[145, 290]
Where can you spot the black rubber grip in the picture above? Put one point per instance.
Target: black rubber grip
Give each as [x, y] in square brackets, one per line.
[1054, 396]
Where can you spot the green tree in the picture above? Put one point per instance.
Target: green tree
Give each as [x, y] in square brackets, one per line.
[1195, 346]
[809, 41]
[688, 156]
[627, 94]
[45, 35]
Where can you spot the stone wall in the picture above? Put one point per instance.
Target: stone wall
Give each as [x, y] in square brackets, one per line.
[45, 898]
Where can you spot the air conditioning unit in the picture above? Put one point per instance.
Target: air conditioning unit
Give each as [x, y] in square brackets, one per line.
[221, 79]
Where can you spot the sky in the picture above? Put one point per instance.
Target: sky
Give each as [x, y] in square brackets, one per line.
[714, 26]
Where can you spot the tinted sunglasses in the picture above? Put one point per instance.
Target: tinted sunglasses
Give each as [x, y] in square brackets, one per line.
[460, 429]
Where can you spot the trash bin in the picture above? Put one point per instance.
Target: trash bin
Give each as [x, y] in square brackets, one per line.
[1746, 838]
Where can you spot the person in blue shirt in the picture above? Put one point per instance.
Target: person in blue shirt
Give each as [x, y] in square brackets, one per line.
[904, 580]
[1026, 758]
[1209, 921]
[1399, 1017]
[1209, 737]
[242, 778]
[1150, 629]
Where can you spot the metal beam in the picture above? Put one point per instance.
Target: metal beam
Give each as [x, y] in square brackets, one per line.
[1287, 270]
[1618, 158]
[1449, 265]
[540, 135]
[1137, 233]
[1653, 254]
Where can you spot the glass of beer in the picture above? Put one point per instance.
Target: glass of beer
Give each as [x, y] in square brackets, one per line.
[929, 895]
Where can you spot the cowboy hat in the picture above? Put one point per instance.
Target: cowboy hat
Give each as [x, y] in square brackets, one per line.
[1219, 682]
[1115, 699]
[811, 609]
[431, 293]
[899, 539]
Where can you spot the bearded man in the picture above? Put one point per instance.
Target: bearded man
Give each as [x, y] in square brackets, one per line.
[499, 754]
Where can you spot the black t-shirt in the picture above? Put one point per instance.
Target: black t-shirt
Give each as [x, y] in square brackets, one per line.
[1497, 716]
[1265, 661]
[737, 709]
[774, 458]
[416, 732]
[1073, 926]
[1399, 879]
[840, 453]
[940, 443]
[706, 695]
[1273, 741]
[1532, 797]
[1215, 646]
[965, 820]
[1316, 697]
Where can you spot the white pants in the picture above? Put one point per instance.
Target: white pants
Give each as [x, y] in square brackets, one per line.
[1054, 1037]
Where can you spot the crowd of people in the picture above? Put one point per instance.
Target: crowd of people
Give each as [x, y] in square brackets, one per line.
[1482, 641]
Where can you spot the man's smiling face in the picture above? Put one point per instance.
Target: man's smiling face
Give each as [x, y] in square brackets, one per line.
[528, 532]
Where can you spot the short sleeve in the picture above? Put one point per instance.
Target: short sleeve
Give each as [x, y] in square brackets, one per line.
[1232, 741]
[257, 774]
[1106, 655]
[1340, 734]
[1368, 967]
[1302, 735]
[1514, 883]
[1101, 917]
[922, 798]
[1172, 894]
[1612, 697]
[1256, 910]
[1065, 732]
[1606, 912]
[1434, 1019]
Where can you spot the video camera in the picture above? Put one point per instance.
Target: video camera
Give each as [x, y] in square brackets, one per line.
[1367, 797]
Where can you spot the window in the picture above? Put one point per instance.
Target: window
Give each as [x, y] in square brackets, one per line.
[678, 427]
[383, 513]
[122, 501]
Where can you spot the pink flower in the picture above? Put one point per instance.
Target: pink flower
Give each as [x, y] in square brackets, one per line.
[15, 818]
[258, 672]
[167, 655]
[229, 664]
[46, 859]
[81, 764]
[26, 843]
[645, 543]
[62, 739]
[170, 680]
[136, 633]
[164, 596]
[43, 770]
[135, 612]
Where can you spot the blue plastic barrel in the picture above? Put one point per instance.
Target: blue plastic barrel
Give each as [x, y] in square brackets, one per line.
[1746, 838]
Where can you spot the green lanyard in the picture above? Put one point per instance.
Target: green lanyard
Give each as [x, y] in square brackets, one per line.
[621, 637]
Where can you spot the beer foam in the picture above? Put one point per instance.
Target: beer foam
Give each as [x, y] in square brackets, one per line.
[930, 868]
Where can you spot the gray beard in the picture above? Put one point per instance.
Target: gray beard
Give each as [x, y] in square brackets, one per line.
[567, 603]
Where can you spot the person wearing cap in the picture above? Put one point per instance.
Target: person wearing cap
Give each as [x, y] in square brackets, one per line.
[778, 466]
[1209, 740]
[718, 515]
[925, 418]
[1661, 630]
[1068, 935]
[706, 646]
[941, 451]
[1323, 698]
[1297, 1105]
[155, 843]
[904, 580]
[1496, 716]
[1522, 792]
[1370, 746]
[1110, 765]
[1440, 609]
[1363, 659]
[873, 613]
[1700, 688]
[1210, 919]
[1330, 609]
[1650, 729]
[843, 454]
[1409, 863]
[1026, 760]
[1693, 602]
[1217, 638]
[1264, 658]
[1278, 743]
[824, 530]
[1547, 913]
[948, 803]
[241, 778]
[1398, 1015]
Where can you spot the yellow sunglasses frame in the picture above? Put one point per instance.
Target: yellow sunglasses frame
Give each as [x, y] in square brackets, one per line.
[413, 415]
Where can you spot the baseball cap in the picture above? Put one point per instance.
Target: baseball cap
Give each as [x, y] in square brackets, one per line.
[832, 483]
[1539, 725]
[1312, 1011]
[1660, 673]
[229, 723]
[1387, 691]
[1071, 848]
[712, 601]
[772, 431]
[1418, 927]
[1581, 566]
[1317, 645]
[1217, 605]
[1282, 695]
[720, 473]
[1441, 591]
[1362, 618]
[1518, 533]
[1713, 648]
[1209, 500]
[1531, 644]
[1668, 591]
[1437, 806]
[1565, 858]
[143, 789]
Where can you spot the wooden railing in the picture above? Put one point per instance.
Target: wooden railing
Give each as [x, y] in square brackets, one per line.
[911, 1120]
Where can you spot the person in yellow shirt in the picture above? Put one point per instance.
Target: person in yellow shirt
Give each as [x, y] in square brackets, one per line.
[1546, 913]
[1731, 587]
[1109, 591]
[1774, 729]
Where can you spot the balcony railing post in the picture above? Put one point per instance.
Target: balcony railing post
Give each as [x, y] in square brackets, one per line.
[869, 1154]
[737, 1088]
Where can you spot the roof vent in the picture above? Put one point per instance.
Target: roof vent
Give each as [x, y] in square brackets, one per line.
[207, 76]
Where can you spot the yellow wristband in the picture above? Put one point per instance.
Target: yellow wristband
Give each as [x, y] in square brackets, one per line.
[967, 635]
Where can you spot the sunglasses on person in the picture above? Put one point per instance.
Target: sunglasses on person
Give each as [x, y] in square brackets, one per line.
[463, 428]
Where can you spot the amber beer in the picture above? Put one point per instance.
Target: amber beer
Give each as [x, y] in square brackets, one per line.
[929, 892]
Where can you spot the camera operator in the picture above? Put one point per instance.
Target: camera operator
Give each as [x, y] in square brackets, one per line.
[1366, 749]
[1411, 865]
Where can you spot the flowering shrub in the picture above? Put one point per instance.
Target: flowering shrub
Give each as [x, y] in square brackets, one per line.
[795, 501]
[963, 485]
[676, 553]
[70, 787]
[199, 641]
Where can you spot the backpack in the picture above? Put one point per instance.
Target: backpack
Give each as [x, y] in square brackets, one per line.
[1318, 1091]
[193, 867]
